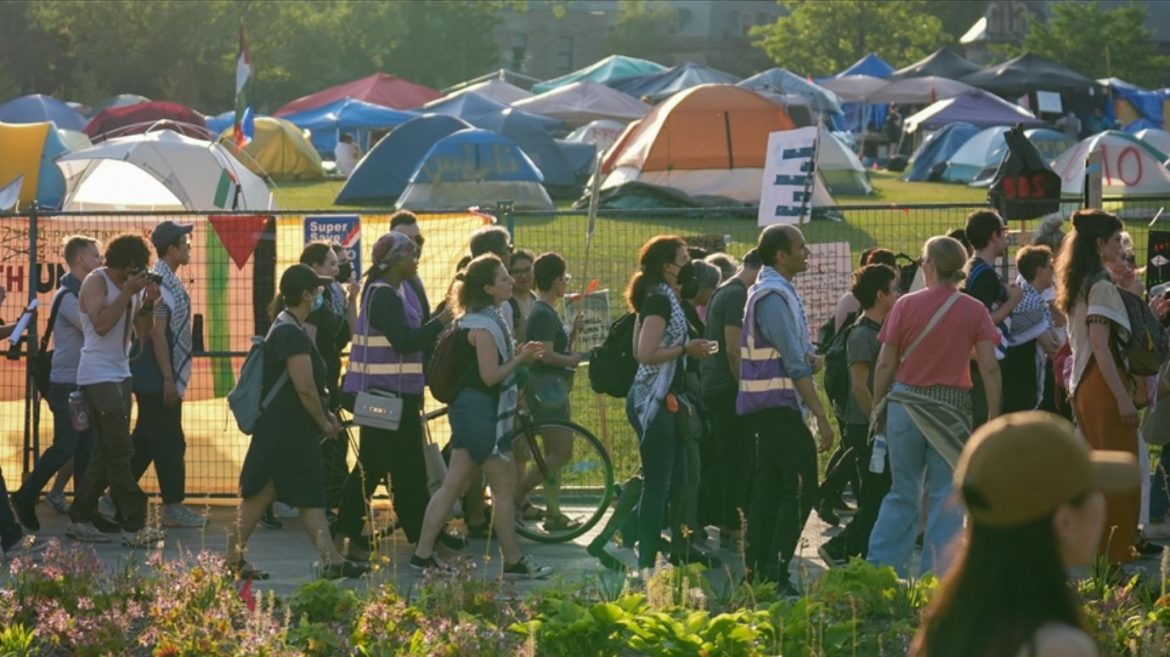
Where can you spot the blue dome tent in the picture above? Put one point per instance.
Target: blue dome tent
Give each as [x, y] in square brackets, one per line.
[326, 123]
[38, 108]
[934, 152]
[385, 171]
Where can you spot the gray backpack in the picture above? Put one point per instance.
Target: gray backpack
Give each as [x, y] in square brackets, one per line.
[246, 399]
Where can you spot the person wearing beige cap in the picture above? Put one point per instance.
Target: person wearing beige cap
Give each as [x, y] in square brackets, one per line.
[1033, 492]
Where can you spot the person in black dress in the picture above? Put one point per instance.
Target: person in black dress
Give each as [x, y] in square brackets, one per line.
[283, 462]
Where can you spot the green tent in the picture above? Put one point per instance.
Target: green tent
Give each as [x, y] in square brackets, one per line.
[614, 67]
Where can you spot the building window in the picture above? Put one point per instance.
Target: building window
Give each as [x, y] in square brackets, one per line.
[519, 51]
[565, 55]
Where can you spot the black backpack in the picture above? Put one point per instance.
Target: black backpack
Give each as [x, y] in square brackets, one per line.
[1146, 349]
[612, 365]
[837, 384]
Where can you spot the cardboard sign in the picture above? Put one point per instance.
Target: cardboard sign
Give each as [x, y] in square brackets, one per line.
[1157, 258]
[1049, 102]
[346, 230]
[789, 173]
[595, 307]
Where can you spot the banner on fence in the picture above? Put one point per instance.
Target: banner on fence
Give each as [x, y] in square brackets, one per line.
[595, 307]
[789, 173]
[828, 277]
[346, 230]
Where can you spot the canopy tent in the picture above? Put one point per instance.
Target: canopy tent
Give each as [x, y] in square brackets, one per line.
[520, 80]
[29, 150]
[784, 82]
[119, 100]
[486, 113]
[919, 91]
[1051, 143]
[38, 109]
[838, 168]
[160, 170]
[385, 171]
[326, 123]
[377, 89]
[671, 81]
[870, 65]
[943, 63]
[854, 88]
[1159, 139]
[929, 160]
[140, 117]
[605, 71]
[580, 102]
[862, 118]
[496, 89]
[474, 167]
[707, 140]
[602, 134]
[978, 158]
[977, 108]
[278, 150]
[1133, 105]
[1130, 166]
[1028, 73]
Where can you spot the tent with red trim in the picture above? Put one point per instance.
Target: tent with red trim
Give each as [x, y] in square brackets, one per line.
[138, 118]
[1129, 166]
[379, 89]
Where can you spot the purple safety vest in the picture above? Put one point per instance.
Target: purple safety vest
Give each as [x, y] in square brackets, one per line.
[763, 379]
[373, 363]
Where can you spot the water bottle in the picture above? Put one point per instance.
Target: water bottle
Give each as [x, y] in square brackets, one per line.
[877, 457]
[78, 414]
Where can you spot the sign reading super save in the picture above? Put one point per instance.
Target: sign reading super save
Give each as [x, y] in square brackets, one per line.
[346, 230]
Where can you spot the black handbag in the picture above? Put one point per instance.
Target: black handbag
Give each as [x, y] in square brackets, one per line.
[42, 363]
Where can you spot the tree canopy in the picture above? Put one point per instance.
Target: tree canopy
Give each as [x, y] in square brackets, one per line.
[822, 38]
[186, 51]
[1096, 42]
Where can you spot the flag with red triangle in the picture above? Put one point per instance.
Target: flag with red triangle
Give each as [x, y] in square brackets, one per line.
[243, 129]
[239, 234]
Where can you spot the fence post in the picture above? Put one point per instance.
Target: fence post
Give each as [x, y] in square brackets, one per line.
[504, 211]
[32, 404]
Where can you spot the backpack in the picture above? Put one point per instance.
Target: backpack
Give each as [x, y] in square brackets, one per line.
[247, 399]
[1146, 348]
[837, 382]
[442, 372]
[612, 365]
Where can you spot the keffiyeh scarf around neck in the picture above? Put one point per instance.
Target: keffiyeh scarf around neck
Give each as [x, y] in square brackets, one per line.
[491, 320]
[178, 303]
[652, 382]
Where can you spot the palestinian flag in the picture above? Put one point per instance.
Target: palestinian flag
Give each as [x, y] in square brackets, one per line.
[244, 129]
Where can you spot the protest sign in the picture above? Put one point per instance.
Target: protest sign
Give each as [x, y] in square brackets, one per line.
[789, 172]
[345, 230]
[595, 307]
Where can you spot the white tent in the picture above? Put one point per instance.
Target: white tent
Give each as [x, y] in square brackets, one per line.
[580, 102]
[977, 159]
[1156, 137]
[160, 170]
[496, 89]
[601, 133]
[840, 170]
[74, 140]
[1130, 166]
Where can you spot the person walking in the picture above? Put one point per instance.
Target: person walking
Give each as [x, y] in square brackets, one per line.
[924, 366]
[482, 414]
[116, 300]
[521, 266]
[387, 356]
[160, 375]
[82, 255]
[776, 389]
[1033, 491]
[1101, 388]
[1031, 338]
[284, 458]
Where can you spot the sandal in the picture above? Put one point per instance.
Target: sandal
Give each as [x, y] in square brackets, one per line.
[244, 571]
[342, 570]
[560, 523]
[530, 512]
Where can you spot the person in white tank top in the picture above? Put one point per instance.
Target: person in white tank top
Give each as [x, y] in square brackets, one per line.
[115, 300]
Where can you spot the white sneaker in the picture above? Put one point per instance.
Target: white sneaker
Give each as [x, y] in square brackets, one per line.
[179, 515]
[1159, 531]
[107, 508]
[147, 537]
[282, 510]
[56, 502]
[85, 532]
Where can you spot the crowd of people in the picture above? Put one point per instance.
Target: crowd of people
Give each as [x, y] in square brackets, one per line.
[724, 401]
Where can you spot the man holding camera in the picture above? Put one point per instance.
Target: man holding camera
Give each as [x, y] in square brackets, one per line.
[115, 300]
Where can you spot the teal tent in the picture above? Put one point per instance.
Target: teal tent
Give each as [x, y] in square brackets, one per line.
[614, 67]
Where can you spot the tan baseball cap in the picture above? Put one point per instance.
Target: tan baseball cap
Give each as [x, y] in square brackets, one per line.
[1020, 467]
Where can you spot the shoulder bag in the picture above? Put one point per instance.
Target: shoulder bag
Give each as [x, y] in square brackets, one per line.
[377, 409]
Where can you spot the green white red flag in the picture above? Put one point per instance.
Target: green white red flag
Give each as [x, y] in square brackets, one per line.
[243, 127]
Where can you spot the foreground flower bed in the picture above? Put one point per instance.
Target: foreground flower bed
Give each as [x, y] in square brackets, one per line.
[69, 603]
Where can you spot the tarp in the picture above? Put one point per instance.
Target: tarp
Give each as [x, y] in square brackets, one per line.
[1130, 166]
[671, 81]
[38, 109]
[474, 167]
[854, 88]
[1028, 73]
[839, 169]
[161, 170]
[1051, 143]
[140, 117]
[614, 67]
[29, 150]
[326, 123]
[279, 151]
[871, 65]
[378, 89]
[977, 159]
[496, 89]
[784, 82]
[1133, 104]
[385, 171]
[1159, 139]
[928, 160]
[602, 134]
[707, 140]
[116, 101]
[943, 63]
[919, 91]
[583, 101]
[977, 108]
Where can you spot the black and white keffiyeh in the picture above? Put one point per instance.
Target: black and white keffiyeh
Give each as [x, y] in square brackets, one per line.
[490, 319]
[652, 382]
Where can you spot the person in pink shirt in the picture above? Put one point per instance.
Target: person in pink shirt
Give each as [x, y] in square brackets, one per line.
[927, 342]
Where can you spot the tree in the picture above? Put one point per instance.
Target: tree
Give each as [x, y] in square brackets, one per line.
[643, 29]
[822, 38]
[1096, 42]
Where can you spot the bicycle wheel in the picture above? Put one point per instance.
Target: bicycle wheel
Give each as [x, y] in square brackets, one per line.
[579, 490]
